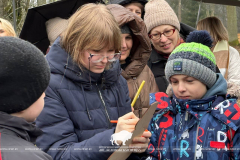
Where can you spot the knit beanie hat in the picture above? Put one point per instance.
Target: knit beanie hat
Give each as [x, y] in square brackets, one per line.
[194, 59]
[24, 74]
[125, 29]
[55, 27]
[158, 12]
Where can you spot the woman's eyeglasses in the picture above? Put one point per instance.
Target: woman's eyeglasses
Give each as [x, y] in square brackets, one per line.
[157, 36]
[95, 58]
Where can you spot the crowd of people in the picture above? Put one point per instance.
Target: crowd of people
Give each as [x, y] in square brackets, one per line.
[60, 106]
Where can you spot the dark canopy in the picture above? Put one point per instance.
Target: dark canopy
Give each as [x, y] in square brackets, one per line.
[34, 29]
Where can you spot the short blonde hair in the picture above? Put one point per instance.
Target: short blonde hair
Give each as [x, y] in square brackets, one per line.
[7, 26]
[215, 27]
[92, 27]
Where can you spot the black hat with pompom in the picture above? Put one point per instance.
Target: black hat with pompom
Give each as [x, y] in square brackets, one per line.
[194, 59]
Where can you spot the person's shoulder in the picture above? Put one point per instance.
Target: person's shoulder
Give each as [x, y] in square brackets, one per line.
[233, 51]
[122, 80]
[21, 149]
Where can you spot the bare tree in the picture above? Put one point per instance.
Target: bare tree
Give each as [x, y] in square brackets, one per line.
[232, 24]
[41, 2]
[1, 8]
[179, 10]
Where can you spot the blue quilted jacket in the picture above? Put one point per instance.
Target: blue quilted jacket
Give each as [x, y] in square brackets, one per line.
[196, 129]
[78, 109]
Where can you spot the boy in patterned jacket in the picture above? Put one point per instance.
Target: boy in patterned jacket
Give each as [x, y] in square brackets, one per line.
[199, 121]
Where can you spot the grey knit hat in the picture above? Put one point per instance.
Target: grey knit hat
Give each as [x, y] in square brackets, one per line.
[193, 59]
[158, 12]
[24, 74]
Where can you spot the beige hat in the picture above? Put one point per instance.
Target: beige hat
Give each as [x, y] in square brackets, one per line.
[55, 27]
[158, 12]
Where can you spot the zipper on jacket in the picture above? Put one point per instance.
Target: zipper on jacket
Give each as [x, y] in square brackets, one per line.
[108, 118]
[196, 142]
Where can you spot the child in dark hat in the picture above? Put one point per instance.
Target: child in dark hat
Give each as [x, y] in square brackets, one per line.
[199, 121]
[24, 76]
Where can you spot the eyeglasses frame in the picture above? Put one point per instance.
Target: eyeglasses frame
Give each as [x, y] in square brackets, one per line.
[150, 36]
[91, 55]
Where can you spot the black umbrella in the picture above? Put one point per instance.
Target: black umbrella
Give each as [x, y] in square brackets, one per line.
[34, 29]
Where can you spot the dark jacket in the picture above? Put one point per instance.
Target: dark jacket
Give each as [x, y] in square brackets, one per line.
[16, 139]
[196, 129]
[157, 65]
[78, 108]
[136, 69]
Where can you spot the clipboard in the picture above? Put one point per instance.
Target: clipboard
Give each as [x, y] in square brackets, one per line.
[140, 127]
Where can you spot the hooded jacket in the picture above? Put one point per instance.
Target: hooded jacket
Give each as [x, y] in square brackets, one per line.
[126, 2]
[137, 70]
[17, 138]
[196, 129]
[79, 105]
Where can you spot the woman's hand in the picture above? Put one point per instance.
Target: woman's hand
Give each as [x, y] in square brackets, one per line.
[140, 144]
[127, 122]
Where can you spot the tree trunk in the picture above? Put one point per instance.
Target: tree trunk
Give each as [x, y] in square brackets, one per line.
[179, 10]
[232, 23]
[27, 6]
[41, 2]
[1, 8]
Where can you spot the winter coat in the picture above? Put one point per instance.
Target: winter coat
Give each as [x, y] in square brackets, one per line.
[16, 139]
[137, 69]
[234, 69]
[196, 129]
[157, 65]
[229, 56]
[78, 108]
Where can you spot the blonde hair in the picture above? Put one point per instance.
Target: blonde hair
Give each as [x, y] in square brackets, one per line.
[92, 27]
[215, 27]
[7, 26]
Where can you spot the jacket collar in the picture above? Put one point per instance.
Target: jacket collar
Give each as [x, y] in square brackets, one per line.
[219, 88]
[18, 126]
[156, 57]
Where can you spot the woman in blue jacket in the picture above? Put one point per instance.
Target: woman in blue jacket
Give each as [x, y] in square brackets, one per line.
[199, 121]
[86, 90]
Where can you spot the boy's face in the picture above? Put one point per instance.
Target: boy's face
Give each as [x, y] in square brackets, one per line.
[185, 87]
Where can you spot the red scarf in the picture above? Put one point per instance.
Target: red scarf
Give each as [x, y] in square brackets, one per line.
[180, 41]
